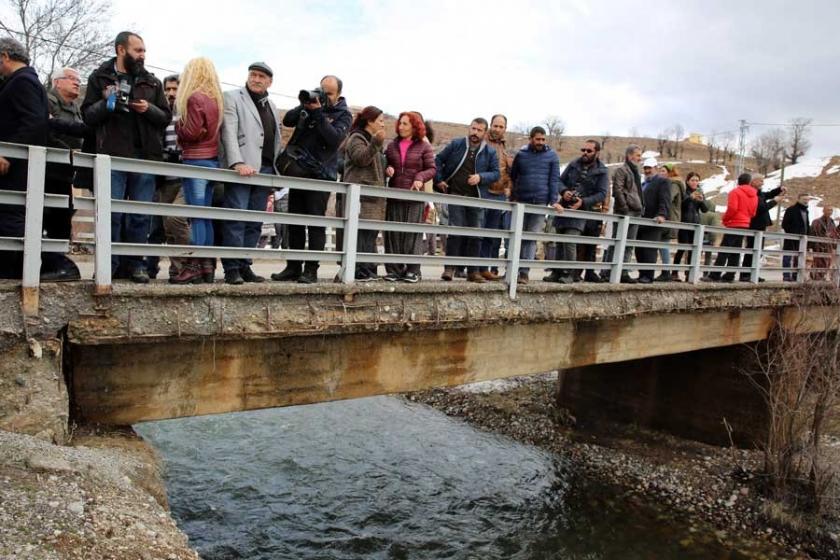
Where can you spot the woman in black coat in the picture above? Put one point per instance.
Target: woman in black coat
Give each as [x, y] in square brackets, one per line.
[693, 204]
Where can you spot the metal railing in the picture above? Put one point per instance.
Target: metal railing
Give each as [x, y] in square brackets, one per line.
[762, 246]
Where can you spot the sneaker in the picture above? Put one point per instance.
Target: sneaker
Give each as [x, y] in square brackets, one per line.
[645, 280]
[461, 273]
[363, 277]
[476, 277]
[664, 277]
[627, 279]
[410, 277]
[392, 277]
[567, 279]
[308, 277]
[140, 276]
[233, 277]
[288, 274]
[249, 276]
[591, 277]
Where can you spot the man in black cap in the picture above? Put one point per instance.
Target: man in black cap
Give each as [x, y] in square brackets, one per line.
[321, 123]
[250, 144]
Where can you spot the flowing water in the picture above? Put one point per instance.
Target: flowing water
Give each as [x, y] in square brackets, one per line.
[383, 478]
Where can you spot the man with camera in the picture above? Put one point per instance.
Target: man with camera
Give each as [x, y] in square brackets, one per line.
[464, 166]
[126, 107]
[321, 122]
[585, 184]
[250, 144]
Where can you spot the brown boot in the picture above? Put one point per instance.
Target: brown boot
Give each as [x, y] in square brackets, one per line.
[190, 273]
[476, 277]
[490, 275]
[447, 274]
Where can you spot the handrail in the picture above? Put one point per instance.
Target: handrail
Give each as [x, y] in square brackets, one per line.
[762, 246]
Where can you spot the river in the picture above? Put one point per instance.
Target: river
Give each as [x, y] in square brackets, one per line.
[384, 478]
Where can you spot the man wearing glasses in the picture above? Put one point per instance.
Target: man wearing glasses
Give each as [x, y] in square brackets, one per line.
[585, 185]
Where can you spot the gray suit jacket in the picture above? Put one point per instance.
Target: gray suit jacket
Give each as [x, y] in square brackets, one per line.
[241, 138]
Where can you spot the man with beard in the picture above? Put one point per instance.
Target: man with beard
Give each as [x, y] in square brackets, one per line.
[320, 126]
[585, 184]
[627, 191]
[126, 107]
[463, 166]
[499, 190]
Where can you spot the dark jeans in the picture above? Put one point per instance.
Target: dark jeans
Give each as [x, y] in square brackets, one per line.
[130, 228]
[728, 259]
[748, 258]
[493, 219]
[243, 234]
[461, 245]
[645, 255]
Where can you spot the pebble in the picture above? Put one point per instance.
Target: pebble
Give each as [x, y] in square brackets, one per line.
[76, 507]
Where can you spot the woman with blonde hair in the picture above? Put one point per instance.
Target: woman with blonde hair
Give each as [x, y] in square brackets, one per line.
[199, 106]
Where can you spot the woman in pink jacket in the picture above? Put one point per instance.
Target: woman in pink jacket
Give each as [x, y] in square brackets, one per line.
[411, 162]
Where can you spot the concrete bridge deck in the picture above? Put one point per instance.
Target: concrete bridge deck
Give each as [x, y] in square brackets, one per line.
[159, 351]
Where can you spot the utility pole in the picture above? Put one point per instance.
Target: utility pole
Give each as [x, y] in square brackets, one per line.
[742, 148]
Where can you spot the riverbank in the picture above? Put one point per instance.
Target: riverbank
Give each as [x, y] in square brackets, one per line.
[102, 497]
[706, 485]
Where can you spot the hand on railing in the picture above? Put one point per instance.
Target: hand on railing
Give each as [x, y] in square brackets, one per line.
[4, 166]
[244, 170]
[557, 206]
[659, 219]
[417, 186]
[389, 171]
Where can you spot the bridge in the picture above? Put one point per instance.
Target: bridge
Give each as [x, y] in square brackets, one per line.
[118, 353]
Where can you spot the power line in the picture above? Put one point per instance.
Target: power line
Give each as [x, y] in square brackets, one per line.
[792, 124]
[166, 70]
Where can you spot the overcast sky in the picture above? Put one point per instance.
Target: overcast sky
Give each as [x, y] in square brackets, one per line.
[608, 65]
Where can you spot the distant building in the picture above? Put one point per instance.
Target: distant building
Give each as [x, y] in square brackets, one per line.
[696, 138]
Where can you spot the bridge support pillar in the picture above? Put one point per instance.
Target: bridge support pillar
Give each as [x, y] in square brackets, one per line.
[687, 394]
[33, 394]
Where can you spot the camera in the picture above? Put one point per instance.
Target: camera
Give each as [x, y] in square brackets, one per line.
[172, 155]
[118, 100]
[571, 202]
[310, 96]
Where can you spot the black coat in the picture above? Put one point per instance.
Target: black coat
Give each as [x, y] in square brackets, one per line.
[657, 198]
[24, 119]
[691, 209]
[115, 131]
[591, 185]
[320, 132]
[796, 221]
[761, 221]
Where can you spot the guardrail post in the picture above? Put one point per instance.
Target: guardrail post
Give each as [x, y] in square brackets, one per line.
[352, 206]
[803, 257]
[694, 274]
[517, 223]
[619, 249]
[33, 229]
[102, 224]
[758, 245]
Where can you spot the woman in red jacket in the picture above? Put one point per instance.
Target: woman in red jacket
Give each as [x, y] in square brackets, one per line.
[200, 107]
[411, 162]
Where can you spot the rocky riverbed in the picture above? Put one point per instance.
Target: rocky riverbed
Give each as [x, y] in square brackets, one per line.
[101, 498]
[710, 486]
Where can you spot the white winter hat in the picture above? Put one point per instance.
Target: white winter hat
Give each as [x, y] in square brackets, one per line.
[650, 162]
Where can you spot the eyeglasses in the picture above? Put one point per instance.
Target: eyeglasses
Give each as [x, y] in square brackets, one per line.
[587, 151]
[72, 79]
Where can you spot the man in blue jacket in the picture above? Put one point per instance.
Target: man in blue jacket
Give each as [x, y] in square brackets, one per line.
[585, 185]
[462, 166]
[535, 174]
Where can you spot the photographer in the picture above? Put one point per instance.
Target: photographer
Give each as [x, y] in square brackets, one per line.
[321, 122]
[127, 109]
[586, 181]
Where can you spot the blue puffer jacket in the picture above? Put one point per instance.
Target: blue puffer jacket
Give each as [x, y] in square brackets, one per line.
[535, 176]
[591, 186]
[450, 159]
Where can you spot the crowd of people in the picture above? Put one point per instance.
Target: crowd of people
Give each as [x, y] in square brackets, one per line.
[188, 119]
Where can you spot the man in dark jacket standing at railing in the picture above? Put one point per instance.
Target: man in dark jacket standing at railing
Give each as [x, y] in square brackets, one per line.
[23, 120]
[535, 176]
[627, 192]
[797, 222]
[585, 183]
[656, 200]
[463, 166]
[126, 107]
[321, 124]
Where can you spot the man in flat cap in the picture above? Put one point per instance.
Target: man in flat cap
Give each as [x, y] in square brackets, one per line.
[250, 144]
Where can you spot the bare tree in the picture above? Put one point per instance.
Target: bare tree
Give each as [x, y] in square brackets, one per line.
[605, 137]
[522, 127]
[710, 144]
[679, 135]
[555, 127]
[798, 141]
[662, 141]
[61, 33]
[768, 149]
